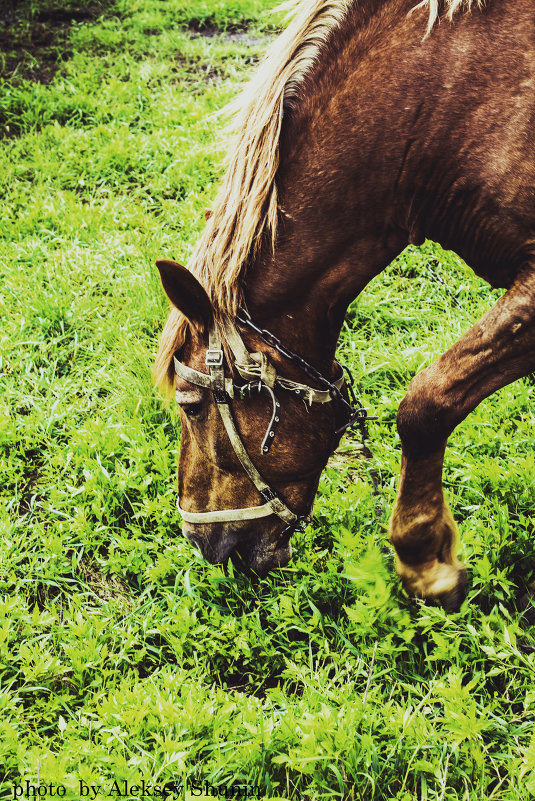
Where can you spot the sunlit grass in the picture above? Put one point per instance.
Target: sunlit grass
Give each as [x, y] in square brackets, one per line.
[122, 654]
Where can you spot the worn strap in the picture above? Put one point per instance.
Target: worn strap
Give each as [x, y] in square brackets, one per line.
[276, 505]
[191, 375]
[216, 366]
[236, 343]
[217, 374]
[200, 379]
[226, 515]
[253, 371]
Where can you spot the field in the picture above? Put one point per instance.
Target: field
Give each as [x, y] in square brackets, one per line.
[124, 658]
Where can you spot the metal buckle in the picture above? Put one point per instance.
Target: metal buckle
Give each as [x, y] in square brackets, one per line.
[214, 358]
[220, 395]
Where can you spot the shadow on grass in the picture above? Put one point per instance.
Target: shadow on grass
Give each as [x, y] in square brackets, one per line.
[34, 35]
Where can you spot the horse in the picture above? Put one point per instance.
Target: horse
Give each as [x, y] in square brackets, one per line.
[369, 126]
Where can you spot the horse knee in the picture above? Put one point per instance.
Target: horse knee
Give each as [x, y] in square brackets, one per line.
[425, 416]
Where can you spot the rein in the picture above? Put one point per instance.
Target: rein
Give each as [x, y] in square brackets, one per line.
[262, 377]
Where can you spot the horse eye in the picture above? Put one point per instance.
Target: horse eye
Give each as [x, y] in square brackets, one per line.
[192, 409]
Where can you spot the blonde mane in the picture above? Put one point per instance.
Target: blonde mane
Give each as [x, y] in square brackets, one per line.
[245, 210]
[450, 7]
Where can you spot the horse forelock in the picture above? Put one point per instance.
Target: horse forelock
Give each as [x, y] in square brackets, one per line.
[172, 339]
[245, 211]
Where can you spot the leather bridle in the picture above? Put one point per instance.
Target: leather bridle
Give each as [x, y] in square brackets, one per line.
[261, 377]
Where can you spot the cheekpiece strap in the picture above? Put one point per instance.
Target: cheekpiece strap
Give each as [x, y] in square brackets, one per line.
[214, 361]
[217, 375]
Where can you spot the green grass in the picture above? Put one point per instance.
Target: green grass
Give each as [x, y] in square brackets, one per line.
[123, 656]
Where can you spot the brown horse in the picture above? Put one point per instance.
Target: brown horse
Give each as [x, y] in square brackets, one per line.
[370, 125]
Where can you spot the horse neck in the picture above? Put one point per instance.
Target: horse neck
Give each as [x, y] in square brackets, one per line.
[340, 216]
[333, 238]
[336, 194]
[301, 290]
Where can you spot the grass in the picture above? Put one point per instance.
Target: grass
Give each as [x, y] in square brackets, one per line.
[124, 657]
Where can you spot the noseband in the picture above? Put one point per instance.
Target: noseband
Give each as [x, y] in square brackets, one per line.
[262, 377]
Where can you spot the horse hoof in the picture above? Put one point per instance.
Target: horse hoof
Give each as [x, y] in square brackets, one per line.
[452, 600]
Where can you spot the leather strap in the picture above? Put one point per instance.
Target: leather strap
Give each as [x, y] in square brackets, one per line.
[260, 370]
[236, 343]
[225, 515]
[217, 374]
[200, 379]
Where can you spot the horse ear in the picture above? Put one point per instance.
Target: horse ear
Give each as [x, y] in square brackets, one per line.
[185, 292]
[207, 214]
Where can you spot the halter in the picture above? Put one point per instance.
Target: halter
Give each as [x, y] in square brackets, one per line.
[261, 377]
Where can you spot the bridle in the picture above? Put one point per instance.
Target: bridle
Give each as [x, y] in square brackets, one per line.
[261, 377]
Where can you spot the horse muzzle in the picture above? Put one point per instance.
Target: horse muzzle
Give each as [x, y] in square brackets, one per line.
[215, 543]
[253, 549]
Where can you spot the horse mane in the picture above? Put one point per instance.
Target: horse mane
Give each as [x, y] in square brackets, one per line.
[245, 211]
[450, 8]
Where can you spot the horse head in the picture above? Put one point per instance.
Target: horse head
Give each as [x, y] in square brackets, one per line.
[254, 437]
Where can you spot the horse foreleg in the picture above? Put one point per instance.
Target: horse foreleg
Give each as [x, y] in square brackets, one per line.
[424, 533]
[497, 350]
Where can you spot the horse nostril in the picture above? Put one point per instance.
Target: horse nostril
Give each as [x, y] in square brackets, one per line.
[193, 539]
